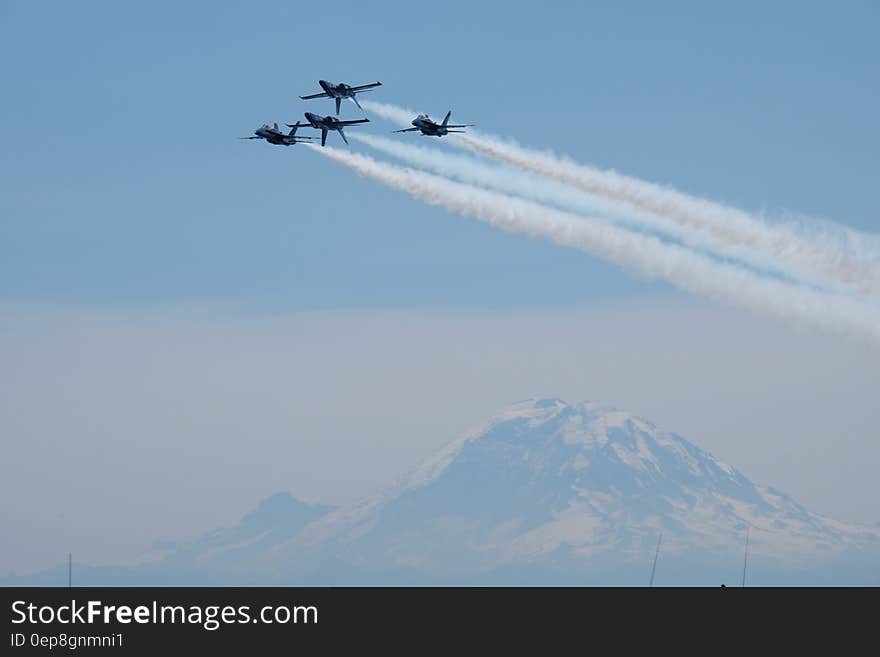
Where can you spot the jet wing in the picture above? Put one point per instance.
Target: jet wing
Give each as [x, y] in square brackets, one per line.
[407, 130]
[250, 137]
[465, 125]
[321, 95]
[352, 122]
[367, 87]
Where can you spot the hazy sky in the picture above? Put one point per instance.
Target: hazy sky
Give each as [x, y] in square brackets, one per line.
[190, 322]
[124, 427]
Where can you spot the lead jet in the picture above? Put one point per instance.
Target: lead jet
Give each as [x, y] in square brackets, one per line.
[430, 128]
[340, 91]
[273, 134]
[325, 123]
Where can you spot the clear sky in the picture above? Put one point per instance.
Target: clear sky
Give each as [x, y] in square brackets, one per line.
[129, 206]
[123, 182]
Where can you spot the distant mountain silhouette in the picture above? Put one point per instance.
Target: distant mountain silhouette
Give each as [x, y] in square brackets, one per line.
[545, 493]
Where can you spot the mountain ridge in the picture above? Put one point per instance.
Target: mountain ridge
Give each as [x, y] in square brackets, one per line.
[542, 492]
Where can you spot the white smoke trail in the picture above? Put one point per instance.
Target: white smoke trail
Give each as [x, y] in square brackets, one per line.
[548, 191]
[848, 258]
[728, 225]
[400, 115]
[507, 179]
[682, 267]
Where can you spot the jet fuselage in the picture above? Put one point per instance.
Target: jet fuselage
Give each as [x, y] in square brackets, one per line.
[323, 122]
[273, 136]
[429, 127]
[340, 90]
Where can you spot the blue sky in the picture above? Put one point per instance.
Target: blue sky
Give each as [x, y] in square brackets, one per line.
[124, 183]
[152, 265]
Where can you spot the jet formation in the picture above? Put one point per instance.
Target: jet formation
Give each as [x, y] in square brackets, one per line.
[339, 92]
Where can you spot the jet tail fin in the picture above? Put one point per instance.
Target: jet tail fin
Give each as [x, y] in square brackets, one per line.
[446, 120]
[342, 134]
[323, 136]
[338, 105]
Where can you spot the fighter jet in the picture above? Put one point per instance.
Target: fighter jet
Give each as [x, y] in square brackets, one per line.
[274, 136]
[340, 91]
[325, 123]
[431, 128]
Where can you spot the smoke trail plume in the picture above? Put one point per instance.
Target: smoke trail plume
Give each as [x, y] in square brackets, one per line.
[506, 179]
[851, 259]
[729, 225]
[682, 267]
[548, 191]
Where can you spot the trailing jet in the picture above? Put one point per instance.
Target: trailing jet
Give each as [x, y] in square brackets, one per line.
[340, 91]
[274, 136]
[431, 128]
[325, 123]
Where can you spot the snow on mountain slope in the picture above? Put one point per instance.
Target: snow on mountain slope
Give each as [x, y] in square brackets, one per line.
[544, 478]
[544, 492]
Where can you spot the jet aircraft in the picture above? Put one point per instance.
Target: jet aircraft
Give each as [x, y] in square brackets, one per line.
[273, 135]
[325, 123]
[340, 91]
[430, 128]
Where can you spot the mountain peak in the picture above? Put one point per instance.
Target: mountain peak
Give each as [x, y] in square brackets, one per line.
[545, 491]
[543, 475]
[587, 423]
[542, 409]
[530, 408]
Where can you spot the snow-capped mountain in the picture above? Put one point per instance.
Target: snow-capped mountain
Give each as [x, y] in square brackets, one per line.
[544, 493]
[573, 487]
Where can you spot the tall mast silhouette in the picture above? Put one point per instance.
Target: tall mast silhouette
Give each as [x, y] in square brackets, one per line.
[656, 554]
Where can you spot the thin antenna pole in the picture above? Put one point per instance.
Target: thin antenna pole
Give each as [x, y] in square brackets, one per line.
[69, 569]
[746, 558]
[656, 554]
